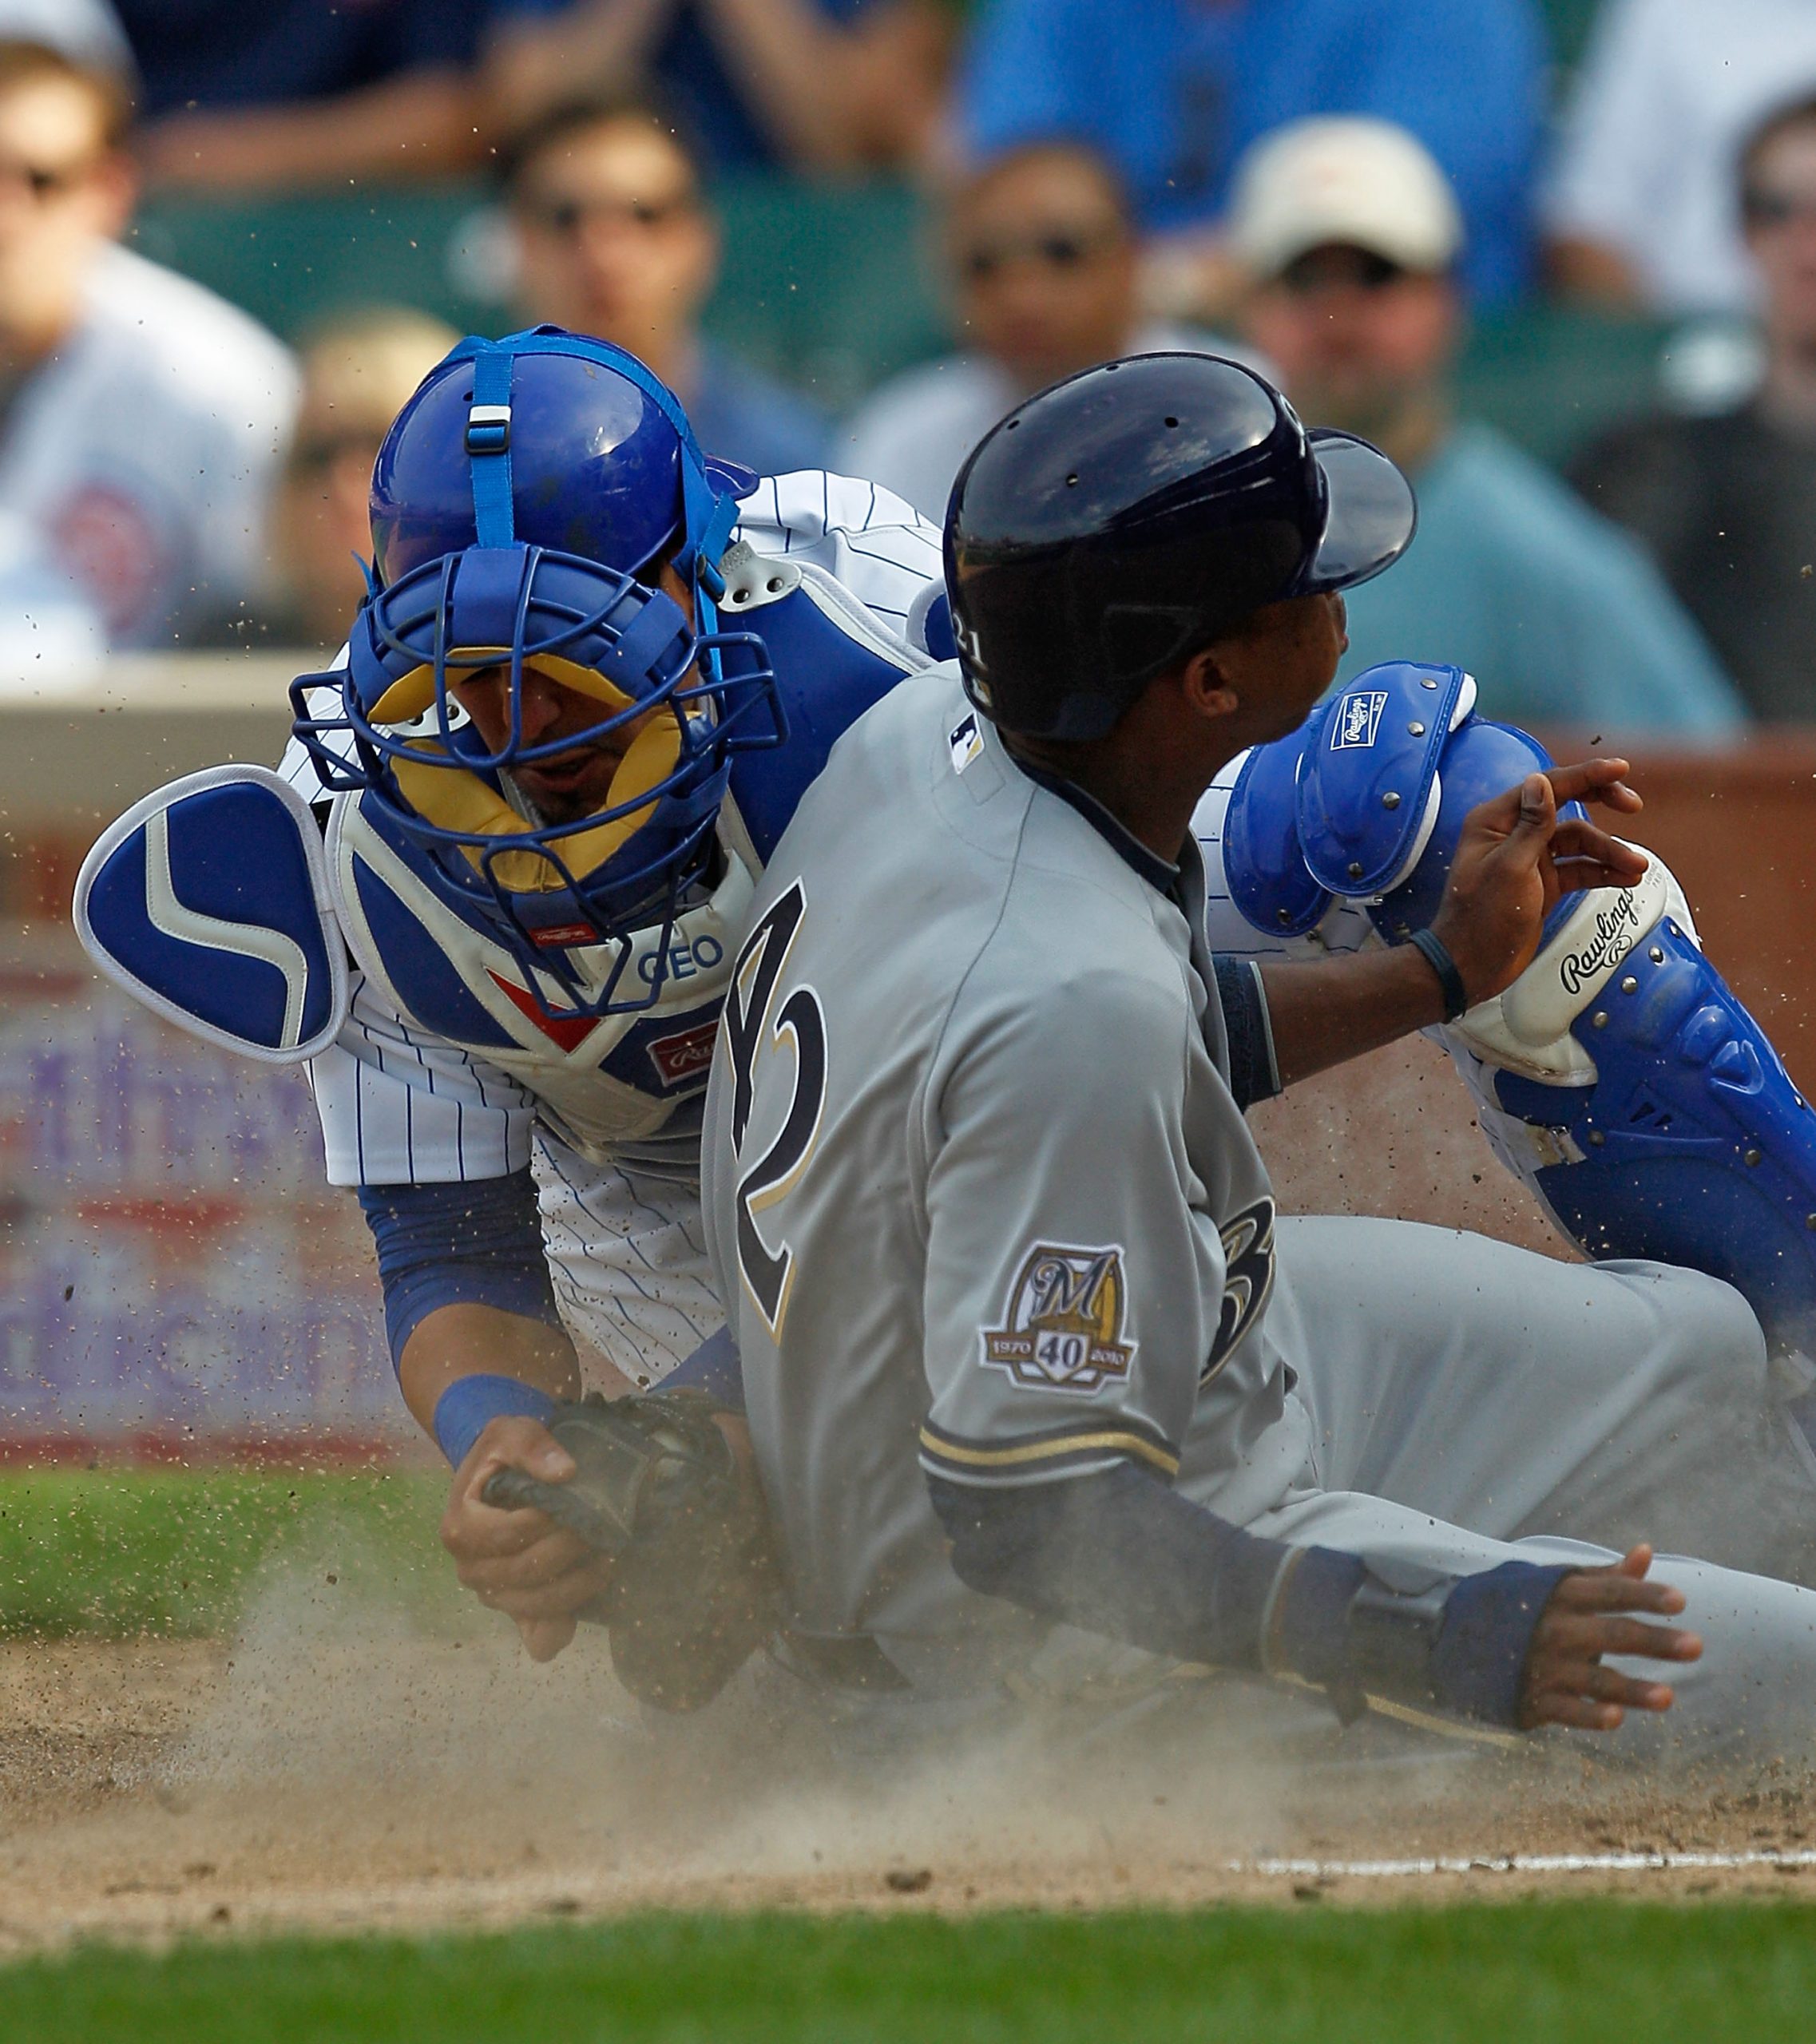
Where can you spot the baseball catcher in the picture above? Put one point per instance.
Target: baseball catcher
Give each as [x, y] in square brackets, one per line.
[492, 897]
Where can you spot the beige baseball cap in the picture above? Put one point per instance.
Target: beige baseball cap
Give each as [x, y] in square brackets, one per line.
[1367, 184]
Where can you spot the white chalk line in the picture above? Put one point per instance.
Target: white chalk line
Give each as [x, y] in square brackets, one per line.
[1530, 1862]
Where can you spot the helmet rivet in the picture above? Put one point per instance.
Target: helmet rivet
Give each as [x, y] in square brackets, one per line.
[1355, 868]
[1810, 1221]
[1753, 1156]
[1284, 915]
[1426, 681]
[1599, 1019]
[1389, 800]
[1071, 481]
[1596, 1139]
[1630, 984]
[1656, 954]
[1415, 731]
[774, 584]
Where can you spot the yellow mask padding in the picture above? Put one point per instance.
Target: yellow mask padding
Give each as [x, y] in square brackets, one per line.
[455, 800]
[415, 692]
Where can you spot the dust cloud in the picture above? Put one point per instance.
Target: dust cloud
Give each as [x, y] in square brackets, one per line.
[345, 1764]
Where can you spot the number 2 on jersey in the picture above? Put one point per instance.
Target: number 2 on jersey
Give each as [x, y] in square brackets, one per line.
[767, 1271]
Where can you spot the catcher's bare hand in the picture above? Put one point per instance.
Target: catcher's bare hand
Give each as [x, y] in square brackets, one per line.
[1515, 860]
[521, 1563]
[1566, 1682]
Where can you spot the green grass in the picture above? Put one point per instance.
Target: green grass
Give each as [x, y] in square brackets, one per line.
[118, 1553]
[1583, 1972]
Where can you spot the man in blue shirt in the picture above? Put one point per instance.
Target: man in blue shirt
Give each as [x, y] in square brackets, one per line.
[1173, 91]
[613, 237]
[1353, 236]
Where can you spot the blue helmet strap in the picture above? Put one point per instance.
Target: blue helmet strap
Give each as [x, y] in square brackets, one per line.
[489, 446]
[704, 556]
[707, 514]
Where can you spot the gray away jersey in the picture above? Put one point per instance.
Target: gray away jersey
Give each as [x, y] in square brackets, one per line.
[978, 1198]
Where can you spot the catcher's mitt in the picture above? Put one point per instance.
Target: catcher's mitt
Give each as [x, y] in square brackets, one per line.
[656, 1485]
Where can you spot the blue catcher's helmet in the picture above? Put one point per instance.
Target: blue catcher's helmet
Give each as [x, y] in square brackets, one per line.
[521, 504]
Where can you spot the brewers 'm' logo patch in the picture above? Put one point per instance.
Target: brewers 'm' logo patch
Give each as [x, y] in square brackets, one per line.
[1065, 1316]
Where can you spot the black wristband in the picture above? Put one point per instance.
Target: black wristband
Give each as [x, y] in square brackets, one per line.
[1431, 948]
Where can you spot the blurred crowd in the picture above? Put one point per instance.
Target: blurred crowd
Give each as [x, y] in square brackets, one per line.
[1337, 190]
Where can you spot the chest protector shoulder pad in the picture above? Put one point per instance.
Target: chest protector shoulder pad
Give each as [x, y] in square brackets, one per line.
[208, 901]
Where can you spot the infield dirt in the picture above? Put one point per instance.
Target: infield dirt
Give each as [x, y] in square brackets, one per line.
[331, 1770]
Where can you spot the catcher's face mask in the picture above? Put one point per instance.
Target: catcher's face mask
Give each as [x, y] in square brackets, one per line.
[652, 704]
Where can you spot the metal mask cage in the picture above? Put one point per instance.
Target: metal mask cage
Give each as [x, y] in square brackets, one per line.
[640, 886]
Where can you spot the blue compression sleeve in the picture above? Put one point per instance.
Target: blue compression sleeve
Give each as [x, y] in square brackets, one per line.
[1121, 1553]
[475, 1242]
[1253, 1075]
[713, 1367]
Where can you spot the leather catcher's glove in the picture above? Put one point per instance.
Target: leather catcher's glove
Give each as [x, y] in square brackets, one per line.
[657, 1486]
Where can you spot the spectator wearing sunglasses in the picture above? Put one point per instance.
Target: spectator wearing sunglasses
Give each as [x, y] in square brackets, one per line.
[1639, 205]
[358, 372]
[1040, 261]
[141, 417]
[613, 237]
[1727, 503]
[1353, 236]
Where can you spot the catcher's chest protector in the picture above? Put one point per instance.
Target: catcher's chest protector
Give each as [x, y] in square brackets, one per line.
[608, 1078]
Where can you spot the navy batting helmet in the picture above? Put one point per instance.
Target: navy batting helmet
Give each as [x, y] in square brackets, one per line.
[1122, 519]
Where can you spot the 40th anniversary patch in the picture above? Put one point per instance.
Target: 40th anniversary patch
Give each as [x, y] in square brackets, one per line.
[1065, 1321]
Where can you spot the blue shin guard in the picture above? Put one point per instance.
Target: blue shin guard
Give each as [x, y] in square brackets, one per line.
[1619, 1078]
[1690, 1145]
